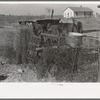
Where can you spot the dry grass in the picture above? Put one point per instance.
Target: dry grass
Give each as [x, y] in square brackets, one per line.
[52, 59]
[90, 23]
[7, 35]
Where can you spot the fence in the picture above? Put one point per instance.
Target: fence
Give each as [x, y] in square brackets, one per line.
[86, 58]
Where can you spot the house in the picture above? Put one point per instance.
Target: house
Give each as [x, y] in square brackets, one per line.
[77, 12]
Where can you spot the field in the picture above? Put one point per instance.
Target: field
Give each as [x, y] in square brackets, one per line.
[87, 72]
[8, 56]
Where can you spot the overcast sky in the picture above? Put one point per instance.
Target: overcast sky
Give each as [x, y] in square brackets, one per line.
[40, 9]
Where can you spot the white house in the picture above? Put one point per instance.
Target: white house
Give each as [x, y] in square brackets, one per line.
[77, 12]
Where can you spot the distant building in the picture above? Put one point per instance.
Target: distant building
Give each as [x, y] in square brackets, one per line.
[77, 12]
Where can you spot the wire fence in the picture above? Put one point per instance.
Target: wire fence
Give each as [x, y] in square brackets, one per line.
[86, 58]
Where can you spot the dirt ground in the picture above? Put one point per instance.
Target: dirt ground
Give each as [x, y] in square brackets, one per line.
[20, 73]
[15, 74]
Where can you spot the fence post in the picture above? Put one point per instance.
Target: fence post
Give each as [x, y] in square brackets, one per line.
[98, 47]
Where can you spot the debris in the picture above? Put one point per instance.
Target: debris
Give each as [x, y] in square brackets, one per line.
[3, 77]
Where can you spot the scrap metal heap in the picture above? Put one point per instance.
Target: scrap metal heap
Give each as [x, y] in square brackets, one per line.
[48, 33]
[57, 34]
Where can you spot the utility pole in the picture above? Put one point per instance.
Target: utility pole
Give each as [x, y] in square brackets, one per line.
[52, 13]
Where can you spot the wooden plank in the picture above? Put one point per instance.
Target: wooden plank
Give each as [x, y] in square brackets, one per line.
[30, 43]
[52, 35]
[30, 50]
[39, 48]
[30, 58]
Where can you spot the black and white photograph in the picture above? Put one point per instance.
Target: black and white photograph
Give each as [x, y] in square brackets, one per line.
[50, 42]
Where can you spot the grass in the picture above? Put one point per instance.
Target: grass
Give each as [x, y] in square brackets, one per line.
[7, 35]
[90, 23]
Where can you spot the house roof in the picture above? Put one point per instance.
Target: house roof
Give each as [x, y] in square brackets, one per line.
[80, 9]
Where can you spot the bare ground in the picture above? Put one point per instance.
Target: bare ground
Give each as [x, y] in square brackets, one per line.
[14, 72]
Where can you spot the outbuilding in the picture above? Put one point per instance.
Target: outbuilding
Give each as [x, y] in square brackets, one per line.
[77, 12]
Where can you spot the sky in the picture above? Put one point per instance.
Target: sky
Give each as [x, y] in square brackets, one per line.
[41, 9]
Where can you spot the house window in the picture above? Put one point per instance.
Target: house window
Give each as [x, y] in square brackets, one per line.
[76, 13]
[84, 13]
[68, 15]
[65, 15]
[90, 13]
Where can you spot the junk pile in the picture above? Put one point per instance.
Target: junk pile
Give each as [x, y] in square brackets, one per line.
[44, 41]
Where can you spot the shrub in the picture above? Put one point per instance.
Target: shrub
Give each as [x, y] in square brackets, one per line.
[1, 50]
[10, 54]
[59, 60]
[7, 45]
[48, 56]
[21, 44]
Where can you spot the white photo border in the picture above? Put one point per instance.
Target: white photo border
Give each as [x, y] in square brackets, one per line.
[49, 90]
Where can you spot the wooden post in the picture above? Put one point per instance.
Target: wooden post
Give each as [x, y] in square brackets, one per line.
[58, 40]
[98, 47]
[75, 61]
